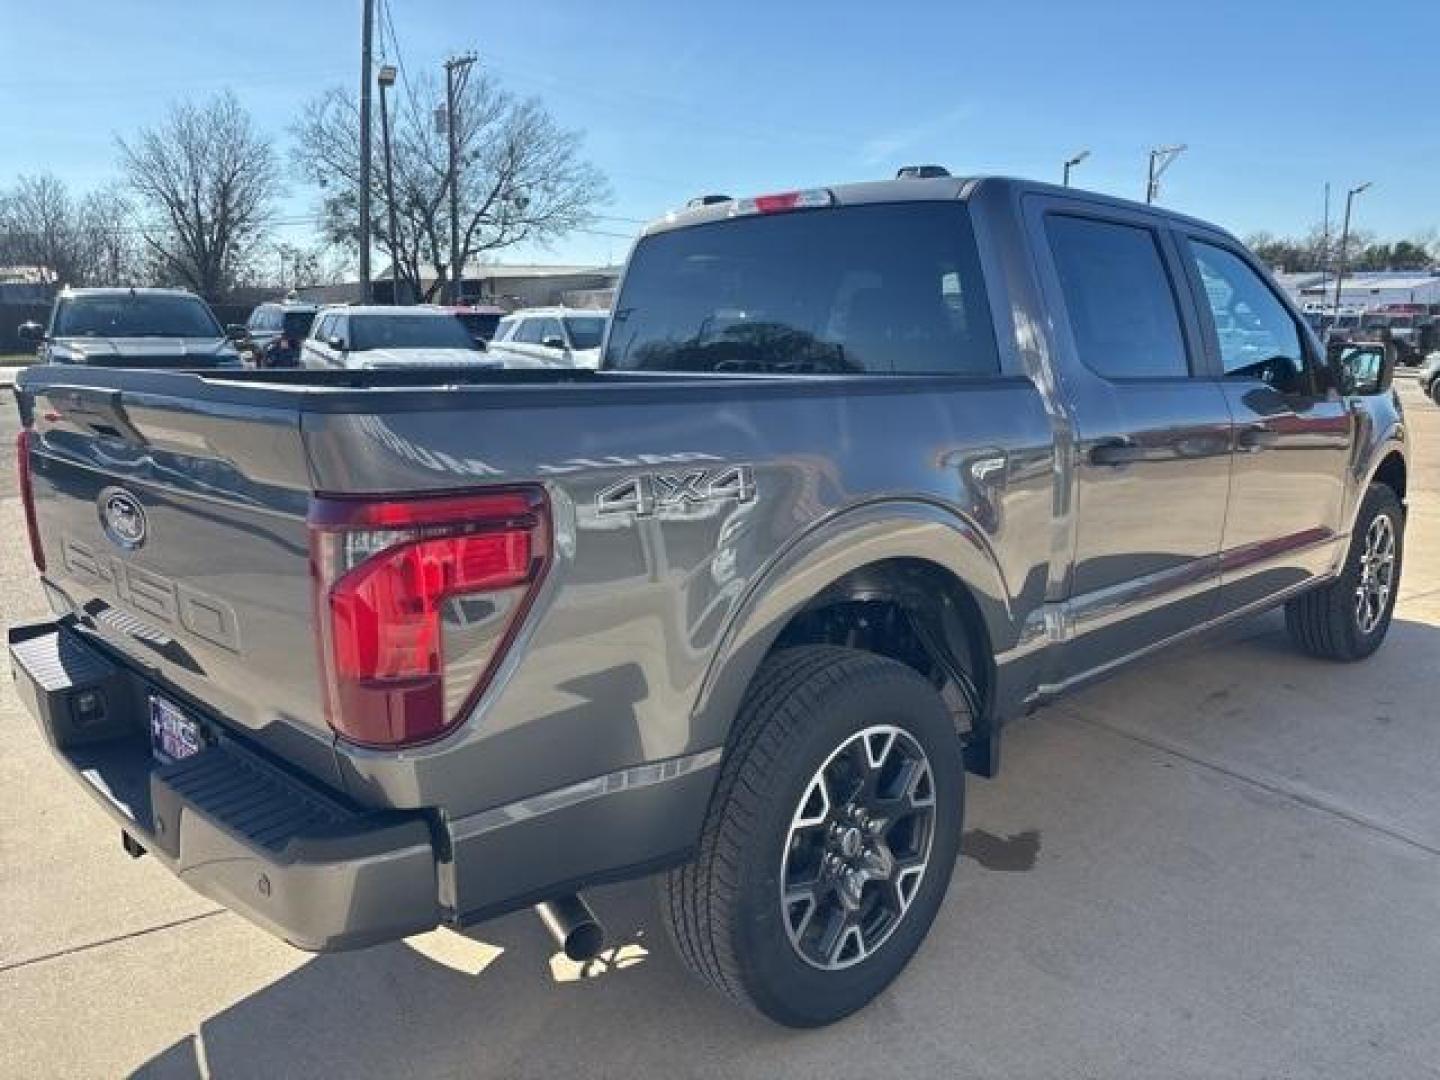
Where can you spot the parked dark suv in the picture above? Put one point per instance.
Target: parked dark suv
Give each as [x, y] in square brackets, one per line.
[165, 328]
[274, 333]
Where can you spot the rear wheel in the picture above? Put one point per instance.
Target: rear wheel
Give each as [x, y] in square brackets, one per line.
[1348, 618]
[830, 840]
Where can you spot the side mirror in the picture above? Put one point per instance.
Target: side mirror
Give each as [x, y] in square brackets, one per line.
[553, 343]
[237, 332]
[1361, 370]
[31, 333]
[337, 343]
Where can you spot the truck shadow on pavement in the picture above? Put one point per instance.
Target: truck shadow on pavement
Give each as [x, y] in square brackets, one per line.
[500, 1001]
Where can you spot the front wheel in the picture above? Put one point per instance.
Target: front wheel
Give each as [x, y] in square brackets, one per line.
[830, 839]
[1348, 618]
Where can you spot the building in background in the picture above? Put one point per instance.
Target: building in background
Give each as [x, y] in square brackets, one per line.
[510, 286]
[26, 285]
[1363, 290]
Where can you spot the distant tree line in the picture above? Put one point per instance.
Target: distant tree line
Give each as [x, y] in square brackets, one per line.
[195, 201]
[1319, 250]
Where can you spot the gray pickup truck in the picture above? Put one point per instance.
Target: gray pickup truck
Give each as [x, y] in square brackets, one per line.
[866, 472]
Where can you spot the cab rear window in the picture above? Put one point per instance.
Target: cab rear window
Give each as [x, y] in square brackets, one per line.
[890, 288]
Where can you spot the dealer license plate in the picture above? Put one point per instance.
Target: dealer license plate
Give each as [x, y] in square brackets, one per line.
[173, 735]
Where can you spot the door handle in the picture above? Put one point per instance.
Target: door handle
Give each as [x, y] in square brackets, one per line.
[1116, 452]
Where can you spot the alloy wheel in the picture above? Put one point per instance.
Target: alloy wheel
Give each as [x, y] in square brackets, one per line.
[857, 848]
[1377, 574]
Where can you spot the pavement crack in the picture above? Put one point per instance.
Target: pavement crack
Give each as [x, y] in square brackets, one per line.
[1272, 784]
[15, 965]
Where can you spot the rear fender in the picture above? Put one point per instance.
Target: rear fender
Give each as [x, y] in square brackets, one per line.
[854, 538]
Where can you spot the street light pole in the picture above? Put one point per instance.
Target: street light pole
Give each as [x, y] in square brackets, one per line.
[455, 70]
[1072, 162]
[1161, 158]
[369, 17]
[386, 78]
[1344, 240]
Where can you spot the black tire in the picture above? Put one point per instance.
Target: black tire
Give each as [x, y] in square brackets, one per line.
[1435, 391]
[724, 909]
[1326, 622]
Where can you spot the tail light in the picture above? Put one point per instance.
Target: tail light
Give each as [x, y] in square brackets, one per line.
[416, 602]
[811, 199]
[27, 497]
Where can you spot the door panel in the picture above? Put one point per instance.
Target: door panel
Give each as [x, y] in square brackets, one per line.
[1293, 433]
[1153, 433]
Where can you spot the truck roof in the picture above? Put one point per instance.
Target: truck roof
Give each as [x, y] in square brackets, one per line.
[925, 189]
[70, 293]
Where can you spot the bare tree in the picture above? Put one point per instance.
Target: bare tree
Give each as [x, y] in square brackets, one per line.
[109, 241]
[522, 177]
[206, 182]
[38, 220]
[88, 241]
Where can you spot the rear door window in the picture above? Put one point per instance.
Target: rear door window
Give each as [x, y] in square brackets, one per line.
[1118, 295]
[887, 288]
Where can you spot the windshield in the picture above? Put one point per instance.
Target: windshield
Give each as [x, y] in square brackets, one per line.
[478, 323]
[136, 315]
[297, 323]
[585, 331]
[892, 288]
[407, 331]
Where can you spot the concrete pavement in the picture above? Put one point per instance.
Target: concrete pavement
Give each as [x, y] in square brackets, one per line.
[1224, 862]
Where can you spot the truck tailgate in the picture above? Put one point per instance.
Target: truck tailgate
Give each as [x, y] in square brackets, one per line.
[174, 531]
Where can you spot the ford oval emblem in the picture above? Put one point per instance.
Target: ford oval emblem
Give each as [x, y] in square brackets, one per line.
[122, 517]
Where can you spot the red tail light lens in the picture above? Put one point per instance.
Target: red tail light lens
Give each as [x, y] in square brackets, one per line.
[782, 201]
[416, 600]
[27, 497]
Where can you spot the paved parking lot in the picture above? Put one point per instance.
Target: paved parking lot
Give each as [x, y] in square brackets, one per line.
[1225, 862]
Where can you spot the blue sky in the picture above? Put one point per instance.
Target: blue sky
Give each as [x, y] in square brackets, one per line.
[675, 99]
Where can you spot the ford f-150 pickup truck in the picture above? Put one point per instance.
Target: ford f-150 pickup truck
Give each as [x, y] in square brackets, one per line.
[866, 472]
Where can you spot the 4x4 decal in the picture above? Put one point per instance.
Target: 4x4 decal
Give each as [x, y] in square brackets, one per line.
[648, 494]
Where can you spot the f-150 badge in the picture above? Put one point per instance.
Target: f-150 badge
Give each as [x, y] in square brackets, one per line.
[649, 494]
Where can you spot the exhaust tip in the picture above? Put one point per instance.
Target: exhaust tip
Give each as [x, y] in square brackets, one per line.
[573, 926]
[585, 942]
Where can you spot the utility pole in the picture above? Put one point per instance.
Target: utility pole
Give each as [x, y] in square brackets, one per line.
[1344, 240]
[1325, 263]
[456, 70]
[386, 78]
[369, 17]
[1072, 162]
[1161, 158]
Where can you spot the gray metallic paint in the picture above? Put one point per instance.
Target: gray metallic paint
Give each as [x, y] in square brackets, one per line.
[646, 633]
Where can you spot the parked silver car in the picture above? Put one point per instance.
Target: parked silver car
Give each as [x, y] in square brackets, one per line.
[376, 336]
[557, 337]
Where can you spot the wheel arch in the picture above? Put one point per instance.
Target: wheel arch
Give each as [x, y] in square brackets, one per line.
[1392, 472]
[890, 559]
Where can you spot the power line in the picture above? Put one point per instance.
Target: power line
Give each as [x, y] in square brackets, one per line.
[389, 24]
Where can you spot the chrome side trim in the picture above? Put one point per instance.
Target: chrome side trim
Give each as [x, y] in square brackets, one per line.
[637, 776]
